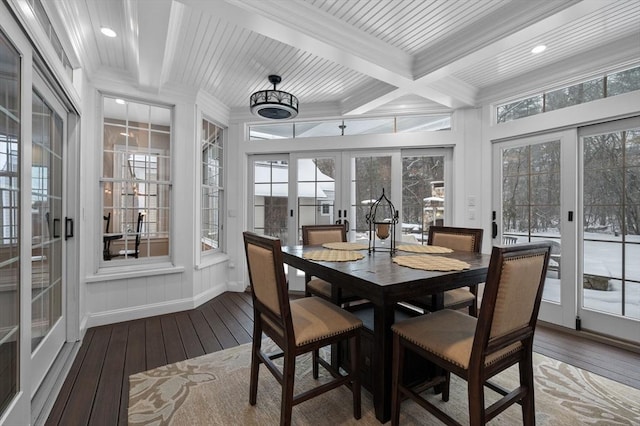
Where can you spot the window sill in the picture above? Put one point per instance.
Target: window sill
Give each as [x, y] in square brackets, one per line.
[211, 259]
[148, 270]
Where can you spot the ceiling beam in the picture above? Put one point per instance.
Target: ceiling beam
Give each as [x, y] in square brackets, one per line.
[156, 36]
[458, 94]
[326, 37]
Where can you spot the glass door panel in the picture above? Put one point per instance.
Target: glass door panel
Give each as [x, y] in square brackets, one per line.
[271, 198]
[9, 222]
[530, 203]
[370, 176]
[611, 230]
[316, 191]
[48, 332]
[423, 196]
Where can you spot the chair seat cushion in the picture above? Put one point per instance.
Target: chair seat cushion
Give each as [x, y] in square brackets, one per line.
[455, 297]
[447, 334]
[323, 288]
[316, 319]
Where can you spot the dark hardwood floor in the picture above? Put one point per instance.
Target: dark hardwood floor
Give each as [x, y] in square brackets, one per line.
[96, 389]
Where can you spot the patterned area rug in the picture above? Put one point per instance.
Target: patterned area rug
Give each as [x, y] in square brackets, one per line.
[214, 390]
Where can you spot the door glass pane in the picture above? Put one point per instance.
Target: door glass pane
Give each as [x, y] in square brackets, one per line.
[9, 221]
[370, 176]
[316, 192]
[423, 194]
[46, 214]
[611, 206]
[270, 198]
[531, 203]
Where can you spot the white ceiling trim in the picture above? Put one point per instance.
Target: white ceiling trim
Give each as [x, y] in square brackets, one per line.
[466, 94]
[339, 36]
[293, 34]
[175, 22]
[624, 52]
[532, 34]
[153, 39]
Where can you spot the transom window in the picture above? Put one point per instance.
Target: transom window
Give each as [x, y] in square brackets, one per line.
[597, 88]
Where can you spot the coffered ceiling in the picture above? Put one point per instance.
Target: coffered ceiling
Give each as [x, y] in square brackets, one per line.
[351, 56]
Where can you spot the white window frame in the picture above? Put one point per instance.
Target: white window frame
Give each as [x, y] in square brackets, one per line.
[205, 254]
[116, 262]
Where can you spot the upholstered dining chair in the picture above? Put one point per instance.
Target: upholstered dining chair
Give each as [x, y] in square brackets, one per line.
[135, 251]
[478, 349]
[457, 239]
[297, 327]
[315, 235]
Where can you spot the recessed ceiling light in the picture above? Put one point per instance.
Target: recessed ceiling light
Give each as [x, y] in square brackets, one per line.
[539, 48]
[108, 32]
[120, 101]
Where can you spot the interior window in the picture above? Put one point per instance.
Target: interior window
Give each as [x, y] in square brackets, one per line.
[136, 180]
[212, 187]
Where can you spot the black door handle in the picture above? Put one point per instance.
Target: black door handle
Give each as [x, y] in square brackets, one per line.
[68, 228]
[55, 228]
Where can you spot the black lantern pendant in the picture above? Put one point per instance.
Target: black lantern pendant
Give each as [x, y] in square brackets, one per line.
[382, 219]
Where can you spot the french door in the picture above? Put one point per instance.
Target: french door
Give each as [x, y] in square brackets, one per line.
[48, 325]
[580, 190]
[290, 191]
[609, 297]
[534, 185]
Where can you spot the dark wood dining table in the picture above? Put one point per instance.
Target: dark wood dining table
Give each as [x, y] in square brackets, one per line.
[384, 283]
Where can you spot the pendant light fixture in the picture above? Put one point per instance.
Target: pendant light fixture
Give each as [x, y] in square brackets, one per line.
[274, 104]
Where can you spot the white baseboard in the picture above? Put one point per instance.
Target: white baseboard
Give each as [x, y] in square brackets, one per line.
[144, 311]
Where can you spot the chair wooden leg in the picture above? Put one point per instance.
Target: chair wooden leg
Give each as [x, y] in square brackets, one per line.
[255, 363]
[476, 401]
[288, 372]
[314, 361]
[446, 386]
[396, 374]
[473, 307]
[355, 375]
[526, 380]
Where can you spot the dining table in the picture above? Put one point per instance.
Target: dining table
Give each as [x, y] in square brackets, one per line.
[384, 283]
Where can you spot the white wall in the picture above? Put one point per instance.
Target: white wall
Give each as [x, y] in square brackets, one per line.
[118, 294]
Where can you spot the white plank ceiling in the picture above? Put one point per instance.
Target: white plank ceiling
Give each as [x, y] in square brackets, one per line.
[351, 56]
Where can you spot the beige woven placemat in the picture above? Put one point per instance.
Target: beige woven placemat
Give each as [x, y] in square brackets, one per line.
[333, 255]
[345, 246]
[418, 248]
[431, 263]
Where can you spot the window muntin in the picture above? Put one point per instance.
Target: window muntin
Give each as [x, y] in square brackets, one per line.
[136, 179]
[603, 87]
[212, 188]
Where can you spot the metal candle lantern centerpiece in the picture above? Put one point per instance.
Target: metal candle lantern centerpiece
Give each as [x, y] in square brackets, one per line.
[382, 219]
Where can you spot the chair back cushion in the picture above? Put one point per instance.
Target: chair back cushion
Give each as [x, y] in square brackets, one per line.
[457, 242]
[517, 291]
[315, 235]
[263, 277]
[511, 300]
[455, 238]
